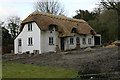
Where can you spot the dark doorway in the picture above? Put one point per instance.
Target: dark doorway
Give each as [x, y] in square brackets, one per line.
[62, 43]
[97, 40]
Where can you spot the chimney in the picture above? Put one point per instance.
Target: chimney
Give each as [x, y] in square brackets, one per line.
[82, 15]
[48, 11]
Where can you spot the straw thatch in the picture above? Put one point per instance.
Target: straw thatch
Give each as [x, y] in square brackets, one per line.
[63, 23]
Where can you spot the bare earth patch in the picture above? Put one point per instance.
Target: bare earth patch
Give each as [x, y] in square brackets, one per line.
[97, 59]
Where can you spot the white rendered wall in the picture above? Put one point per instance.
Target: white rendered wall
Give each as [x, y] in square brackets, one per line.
[24, 35]
[41, 40]
[87, 37]
[68, 45]
[73, 46]
[45, 47]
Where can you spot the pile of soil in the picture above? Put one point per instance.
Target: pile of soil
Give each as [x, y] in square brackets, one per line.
[93, 60]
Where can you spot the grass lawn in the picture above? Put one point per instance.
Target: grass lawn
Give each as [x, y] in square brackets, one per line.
[16, 70]
[0, 70]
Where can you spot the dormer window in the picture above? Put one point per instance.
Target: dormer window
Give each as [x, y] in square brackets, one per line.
[92, 32]
[29, 26]
[74, 30]
[52, 27]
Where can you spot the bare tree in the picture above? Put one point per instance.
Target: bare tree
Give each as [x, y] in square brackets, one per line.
[111, 4]
[1, 25]
[13, 25]
[52, 6]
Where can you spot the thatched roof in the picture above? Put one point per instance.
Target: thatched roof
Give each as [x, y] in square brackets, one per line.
[63, 23]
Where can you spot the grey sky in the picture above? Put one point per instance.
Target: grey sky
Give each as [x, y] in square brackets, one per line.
[23, 8]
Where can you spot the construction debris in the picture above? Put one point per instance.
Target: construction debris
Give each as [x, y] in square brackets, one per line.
[117, 41]
[88, 48]
[114, 44]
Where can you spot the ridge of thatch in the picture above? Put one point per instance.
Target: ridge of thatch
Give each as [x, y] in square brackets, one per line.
[64, 24]
[62, 17]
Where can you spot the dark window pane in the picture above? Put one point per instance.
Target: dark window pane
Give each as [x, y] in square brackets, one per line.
[50, 40]
[19, 42]
[84, 41]
[30, 42]
[77, 40]
[71, 40]
[29, 26]
[89, 41]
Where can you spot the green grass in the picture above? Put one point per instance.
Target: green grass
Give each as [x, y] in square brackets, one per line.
[0, 70]
[16, 70]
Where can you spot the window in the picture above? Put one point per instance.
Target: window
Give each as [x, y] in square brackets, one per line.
[19, 42]
[51, 41]
[89, 40]
[74, 30]
[29, 26]
[84, 41]
[30, 43]
[71, 40]
[92, 32]
[51, 28]
[78, 40]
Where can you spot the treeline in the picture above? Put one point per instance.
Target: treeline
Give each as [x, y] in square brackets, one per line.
[9, 30]
[104, 19]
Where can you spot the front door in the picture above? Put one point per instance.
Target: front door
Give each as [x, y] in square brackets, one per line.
[97, 40]
[77, 43]
[62, 43]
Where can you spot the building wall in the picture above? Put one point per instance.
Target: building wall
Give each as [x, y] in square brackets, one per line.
[41, 40]
[45, 47]
[73, 46]
[24, 35]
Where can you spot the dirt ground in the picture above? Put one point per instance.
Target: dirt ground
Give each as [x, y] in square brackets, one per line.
[95, 60]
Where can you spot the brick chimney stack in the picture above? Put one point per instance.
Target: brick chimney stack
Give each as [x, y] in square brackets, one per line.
[82, 16]
[48, 11]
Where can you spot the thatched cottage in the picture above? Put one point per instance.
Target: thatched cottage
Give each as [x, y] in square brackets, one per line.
[44, 32]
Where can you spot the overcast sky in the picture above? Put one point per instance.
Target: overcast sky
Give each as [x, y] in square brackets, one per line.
[23, 8]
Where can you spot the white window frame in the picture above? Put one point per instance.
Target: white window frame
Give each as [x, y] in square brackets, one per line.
[71, 40]
[51, 39]
[30, 41]
[77, 40]
[89, 40]
[29, 26]
[19, 42]
[84, 41]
